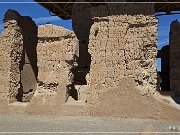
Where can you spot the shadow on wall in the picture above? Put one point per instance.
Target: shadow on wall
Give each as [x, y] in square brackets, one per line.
[165, 68]
[71, 87]
[176, 99]
[28, 63]
[72, 92]
[81, 28]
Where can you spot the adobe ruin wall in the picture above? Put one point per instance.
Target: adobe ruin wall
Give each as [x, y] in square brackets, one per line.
[11, 52]
[122, 42]
[57, 51]
[113, 70]
[112, 46]
[34, 56]
[174, 42]
[18, 65]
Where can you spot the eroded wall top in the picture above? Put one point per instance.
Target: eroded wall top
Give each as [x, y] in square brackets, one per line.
[57, 49]
[50, 30]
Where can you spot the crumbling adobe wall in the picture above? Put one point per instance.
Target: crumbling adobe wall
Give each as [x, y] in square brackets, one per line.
[122, 44]
[11, 53]
[18, 54]
[175, 57]
[5, 63]
[57, 51]
[3, 70]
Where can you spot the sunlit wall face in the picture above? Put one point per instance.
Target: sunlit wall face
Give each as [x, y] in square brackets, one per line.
[41, 16]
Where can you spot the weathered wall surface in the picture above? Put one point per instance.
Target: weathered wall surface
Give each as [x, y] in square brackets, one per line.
[56, 53]
[122, 44]
[18, 53]
[175, 57]
[57, 50]
[4, 74]
[11, 53]
[117, 59]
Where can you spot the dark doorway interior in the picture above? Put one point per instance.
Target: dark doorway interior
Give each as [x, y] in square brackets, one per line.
[165, 68]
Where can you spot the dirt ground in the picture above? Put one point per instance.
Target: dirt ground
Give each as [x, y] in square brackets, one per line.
[124, 101]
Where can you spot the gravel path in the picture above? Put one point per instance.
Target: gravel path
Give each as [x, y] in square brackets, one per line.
[83, 125]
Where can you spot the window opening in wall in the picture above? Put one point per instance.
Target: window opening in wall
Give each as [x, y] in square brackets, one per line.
[158, 60]
[164, 58]
[163, 65]
[159, 81]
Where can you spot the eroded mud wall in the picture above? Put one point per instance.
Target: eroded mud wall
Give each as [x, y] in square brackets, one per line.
[11, 43]
[175, 57]
[19, 60]
[122, 44]
[57, 52]
[12, 46]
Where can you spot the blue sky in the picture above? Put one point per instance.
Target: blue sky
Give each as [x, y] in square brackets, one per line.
[41, 16]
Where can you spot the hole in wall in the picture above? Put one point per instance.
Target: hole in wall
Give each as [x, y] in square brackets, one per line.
[48, 86]
[84, 62]
[163, 68]
[72, 92]
[164, 57]
[158, 68]
[158, 61]
[20, 94]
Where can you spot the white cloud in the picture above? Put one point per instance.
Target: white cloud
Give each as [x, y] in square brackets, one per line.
[43, 20]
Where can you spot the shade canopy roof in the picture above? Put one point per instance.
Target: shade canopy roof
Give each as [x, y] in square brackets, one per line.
[64, 9]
